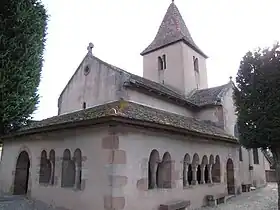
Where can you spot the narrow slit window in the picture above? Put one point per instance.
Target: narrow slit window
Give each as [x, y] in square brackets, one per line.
[160, 63]
[240, 154]
[256, 156]
[195, 64]
[164, 61]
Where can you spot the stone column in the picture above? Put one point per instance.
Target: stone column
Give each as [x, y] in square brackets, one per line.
[51, 181]
[175, 175]
[59, 166]
[77, 176]
[210, 173]
[194, 177]
[202, 168]
[115, 164]
[154, 174]
[185, 175]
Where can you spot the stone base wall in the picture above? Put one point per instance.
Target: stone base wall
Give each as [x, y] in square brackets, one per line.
[140, 145]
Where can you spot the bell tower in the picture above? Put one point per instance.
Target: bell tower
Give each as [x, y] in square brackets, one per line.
[173, 58]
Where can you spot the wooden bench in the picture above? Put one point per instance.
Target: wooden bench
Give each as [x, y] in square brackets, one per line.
[175, 205]
[213, 200]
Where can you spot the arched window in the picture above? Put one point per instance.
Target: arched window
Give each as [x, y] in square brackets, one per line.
[196, 71]
[52, 161]
[161, 67]
[195, 164]
[206, 174]
[240, 154]
[198, 174]
[22, 174]
[78, 164]
[256, 156]
[160, 63]
[204, 169]
[195, 64]
[190, 174]
[45, 169]
[186, 164]
[164, 61]
[153, 166]
[164, 172]
[216, 170]
[68, 170]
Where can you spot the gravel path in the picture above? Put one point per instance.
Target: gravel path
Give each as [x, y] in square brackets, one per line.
[20, 203]
[261, 199]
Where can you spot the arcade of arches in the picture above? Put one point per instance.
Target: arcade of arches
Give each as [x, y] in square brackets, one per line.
[195, 171]
[160, 170]
[71, 174]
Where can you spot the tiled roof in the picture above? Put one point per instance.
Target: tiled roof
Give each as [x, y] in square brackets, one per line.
[160, 89]
[135, 112]
[209, 96]
[171, 30]
[199, 98]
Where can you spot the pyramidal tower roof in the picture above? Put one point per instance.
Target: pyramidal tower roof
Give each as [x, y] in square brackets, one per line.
[172, 29]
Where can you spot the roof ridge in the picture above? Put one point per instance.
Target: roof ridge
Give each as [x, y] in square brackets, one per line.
[99, 60]
[218, 86]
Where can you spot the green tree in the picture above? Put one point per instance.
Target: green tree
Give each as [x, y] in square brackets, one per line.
[23, 26]
[257, 100]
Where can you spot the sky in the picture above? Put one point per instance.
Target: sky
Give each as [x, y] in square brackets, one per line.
[224, 29]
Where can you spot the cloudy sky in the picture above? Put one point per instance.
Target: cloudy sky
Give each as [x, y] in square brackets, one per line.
[120, 29]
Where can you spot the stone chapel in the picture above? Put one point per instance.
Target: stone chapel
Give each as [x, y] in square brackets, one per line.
[120, 141]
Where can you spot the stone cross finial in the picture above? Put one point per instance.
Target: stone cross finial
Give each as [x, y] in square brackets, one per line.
[172, 1]
[89, 48]
[230, 78]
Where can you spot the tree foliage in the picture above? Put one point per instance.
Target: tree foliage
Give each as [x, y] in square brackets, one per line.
[23, 26]
[257, 98]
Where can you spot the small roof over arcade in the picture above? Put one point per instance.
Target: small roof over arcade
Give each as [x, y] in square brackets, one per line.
[129, 113]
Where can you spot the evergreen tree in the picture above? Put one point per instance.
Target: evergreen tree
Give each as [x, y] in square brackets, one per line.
[23, 26]
[257, 100]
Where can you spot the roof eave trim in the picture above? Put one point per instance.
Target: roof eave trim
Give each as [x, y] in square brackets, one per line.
[120, 119]
[147, 51]
[178, 130]
[55, 127]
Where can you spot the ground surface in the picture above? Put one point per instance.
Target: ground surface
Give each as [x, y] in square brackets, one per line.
[261, 199]
[20, 203]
